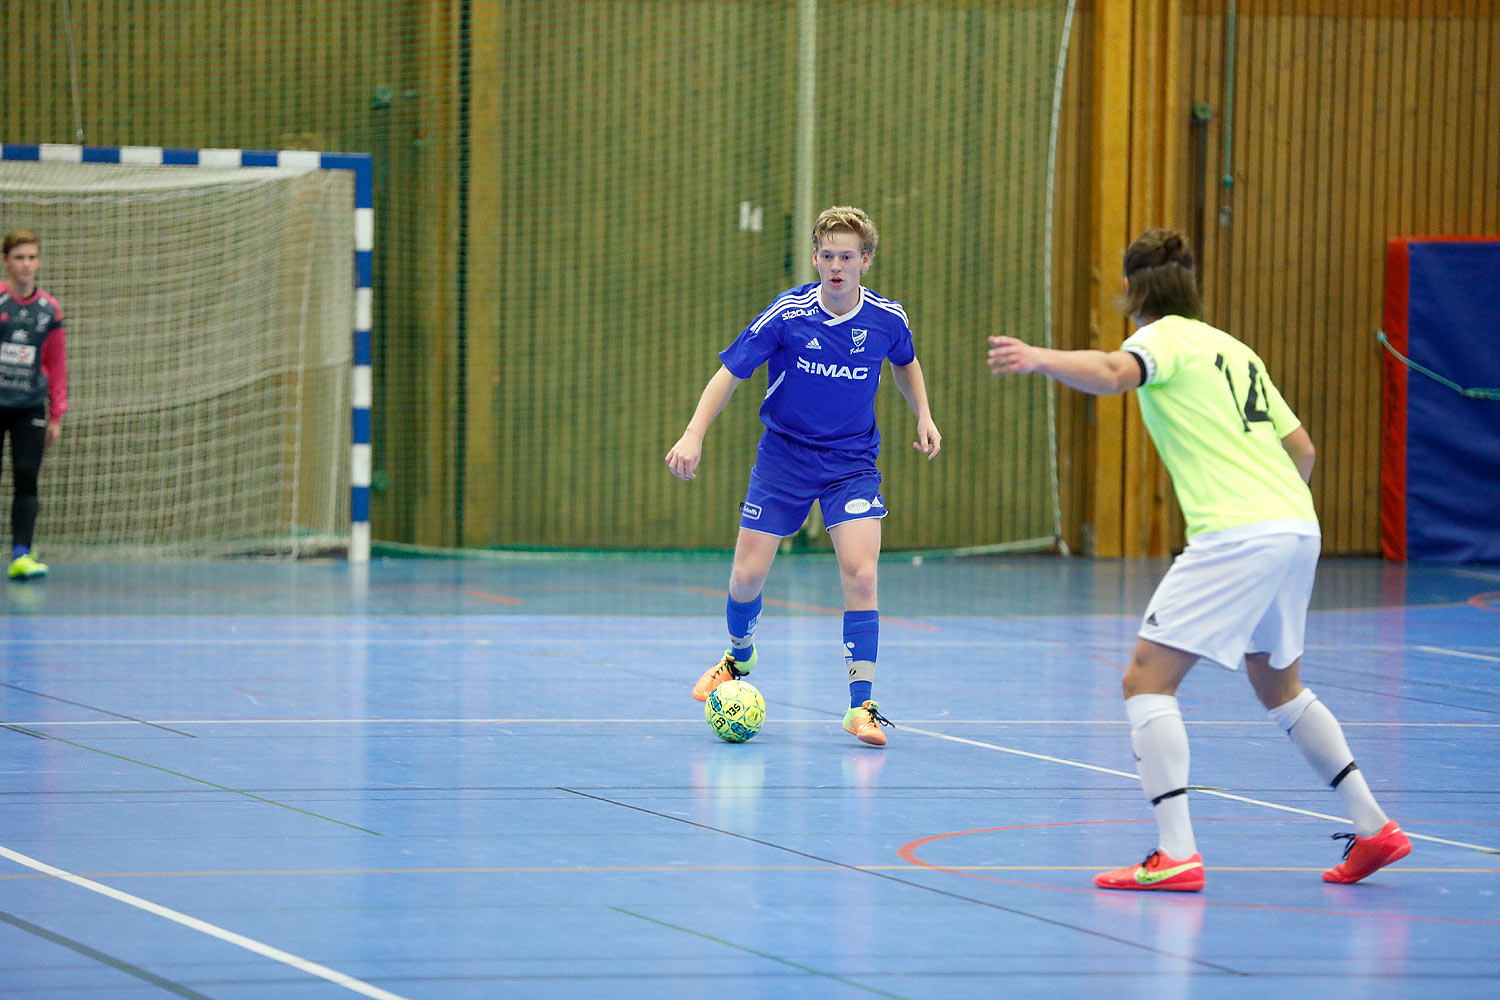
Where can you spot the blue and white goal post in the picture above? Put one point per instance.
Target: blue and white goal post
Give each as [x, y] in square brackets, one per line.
[359, 165]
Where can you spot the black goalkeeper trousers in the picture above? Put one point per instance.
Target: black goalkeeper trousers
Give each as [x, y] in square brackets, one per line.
[26, 429]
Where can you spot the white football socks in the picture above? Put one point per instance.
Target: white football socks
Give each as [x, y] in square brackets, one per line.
[1318, 736]
[1161, 753]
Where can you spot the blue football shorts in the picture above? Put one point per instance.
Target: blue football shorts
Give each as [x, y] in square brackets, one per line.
[788, 477]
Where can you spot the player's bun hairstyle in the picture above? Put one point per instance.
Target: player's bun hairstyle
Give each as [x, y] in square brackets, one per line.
[16, 237]
[846, 219]
[1159, 277]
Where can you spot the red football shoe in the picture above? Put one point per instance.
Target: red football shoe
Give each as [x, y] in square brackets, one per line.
[1158, 872]
[1364, 856]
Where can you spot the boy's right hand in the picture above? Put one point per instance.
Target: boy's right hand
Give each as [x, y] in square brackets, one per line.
[683, 459]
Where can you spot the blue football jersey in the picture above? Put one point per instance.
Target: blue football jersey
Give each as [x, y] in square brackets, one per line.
[822, 370]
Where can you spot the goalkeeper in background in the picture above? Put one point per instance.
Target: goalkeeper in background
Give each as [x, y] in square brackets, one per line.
[823, 345]
[33, 387]
[1240, 461]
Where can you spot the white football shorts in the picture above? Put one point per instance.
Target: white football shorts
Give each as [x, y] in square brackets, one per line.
[1237, 591]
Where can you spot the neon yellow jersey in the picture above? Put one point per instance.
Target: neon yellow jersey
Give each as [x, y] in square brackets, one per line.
[1217, 422]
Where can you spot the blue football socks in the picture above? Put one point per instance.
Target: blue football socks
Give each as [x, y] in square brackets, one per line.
[861, 645]
[742, 619]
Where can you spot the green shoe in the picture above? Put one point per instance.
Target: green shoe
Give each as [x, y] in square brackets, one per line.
[26, 567]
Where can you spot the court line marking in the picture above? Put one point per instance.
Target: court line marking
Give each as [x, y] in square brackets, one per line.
[16, 727]
[631, 869]
[348, 982]
[760, 954]
[1454, 652]
[102, 957]
[501, 598]
[1199, 789]
[909, 852]
[1013, 911]
[794, 606]
[678, 721]
[1475, 574]
[94, 708]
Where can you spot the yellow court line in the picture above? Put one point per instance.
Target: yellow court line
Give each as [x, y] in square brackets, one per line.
[605, 869]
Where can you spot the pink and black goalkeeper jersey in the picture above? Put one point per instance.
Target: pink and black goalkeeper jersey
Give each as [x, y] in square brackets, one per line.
[33, 353]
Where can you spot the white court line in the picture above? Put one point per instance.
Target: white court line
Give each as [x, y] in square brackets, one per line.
[1201, 791]
[677, 721]
[273, 639]
[1476, 574]
[249, 944]
[1454, 652]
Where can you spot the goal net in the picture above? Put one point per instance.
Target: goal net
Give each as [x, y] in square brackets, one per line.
[208, 314]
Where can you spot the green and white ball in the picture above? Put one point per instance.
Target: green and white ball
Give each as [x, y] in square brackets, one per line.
[734, 711]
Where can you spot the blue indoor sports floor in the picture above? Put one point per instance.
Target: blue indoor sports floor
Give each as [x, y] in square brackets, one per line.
[486, 778]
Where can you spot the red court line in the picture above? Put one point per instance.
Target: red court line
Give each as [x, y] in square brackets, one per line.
[827, 611]
[908, 853]
[493, 597]
[1489, 600]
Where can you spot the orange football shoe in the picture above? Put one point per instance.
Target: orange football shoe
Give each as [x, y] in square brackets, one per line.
[727, 669]
[865, 721]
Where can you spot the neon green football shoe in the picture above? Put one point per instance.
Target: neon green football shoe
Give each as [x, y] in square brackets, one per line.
[27, 567]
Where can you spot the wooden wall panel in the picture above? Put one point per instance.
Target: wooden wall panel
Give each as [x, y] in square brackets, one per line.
[1355, 120]
[1353, 123]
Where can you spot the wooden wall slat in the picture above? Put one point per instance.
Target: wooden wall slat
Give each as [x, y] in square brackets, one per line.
[1354, 123]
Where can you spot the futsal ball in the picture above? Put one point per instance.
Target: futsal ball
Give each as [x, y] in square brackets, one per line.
[734, 711]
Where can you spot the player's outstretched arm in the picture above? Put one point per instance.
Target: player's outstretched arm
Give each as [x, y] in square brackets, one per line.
[1098, 373]
[683, 459]
[914, 387]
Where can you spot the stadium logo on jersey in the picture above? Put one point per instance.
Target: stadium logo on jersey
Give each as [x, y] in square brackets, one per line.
[833, 371]
[859, 340]
[813, 345]
[750, 510]
[794, 313]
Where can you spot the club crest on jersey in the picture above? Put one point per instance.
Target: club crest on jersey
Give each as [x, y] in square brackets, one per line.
[859, 340]
[856, 374]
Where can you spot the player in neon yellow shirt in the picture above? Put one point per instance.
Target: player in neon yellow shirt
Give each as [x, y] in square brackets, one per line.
[1240, 461]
